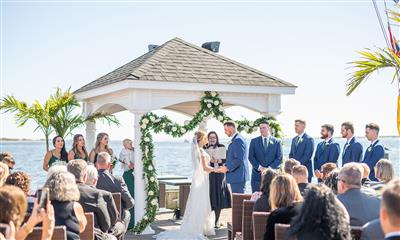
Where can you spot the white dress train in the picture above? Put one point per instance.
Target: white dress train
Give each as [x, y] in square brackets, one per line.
[197, 221]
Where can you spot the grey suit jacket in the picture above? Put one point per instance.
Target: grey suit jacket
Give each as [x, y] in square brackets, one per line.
[92, 200]
[115, 184]
[361, 207]
[372, 230]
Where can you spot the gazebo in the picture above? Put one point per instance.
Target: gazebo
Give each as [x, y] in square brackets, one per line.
[174, 76]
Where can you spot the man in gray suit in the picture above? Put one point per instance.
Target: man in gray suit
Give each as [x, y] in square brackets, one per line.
[361, 207]
[114, 184]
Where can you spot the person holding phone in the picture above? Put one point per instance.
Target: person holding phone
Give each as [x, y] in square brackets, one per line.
[12, 200]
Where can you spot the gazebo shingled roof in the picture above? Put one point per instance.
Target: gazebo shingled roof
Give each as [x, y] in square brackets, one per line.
[180, 61]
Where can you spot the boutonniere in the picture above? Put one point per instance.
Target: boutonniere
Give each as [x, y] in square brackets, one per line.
[271, 142]
[369, 149]
[300, 140]
[326, 144]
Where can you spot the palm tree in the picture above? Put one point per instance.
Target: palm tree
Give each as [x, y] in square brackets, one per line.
[56, 115]
[373, 61]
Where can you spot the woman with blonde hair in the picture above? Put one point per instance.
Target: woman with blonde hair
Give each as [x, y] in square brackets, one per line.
[384, 172]
[285, 200]
[4, 172]
[127, 159]
[78, 150]
[197, 221]
[100, 146]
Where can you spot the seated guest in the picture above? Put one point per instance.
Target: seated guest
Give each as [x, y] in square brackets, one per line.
[390, 210]
[372, 230]
[13, 204]
[365, 181]
[322, 216]
[4, 172]
[384, 172]
[91, 199]
[331, 181]
[64, 196]
[285, 199]
[289, 164]
[117, 227]
[362, 207]
[325, 170]
[9, 161]
[300, 174]
[5, 154]
[114, 184]
[262, 203]
[23, 181]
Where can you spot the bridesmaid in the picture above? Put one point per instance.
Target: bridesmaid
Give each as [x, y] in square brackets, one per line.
[101, 146]
[58, 154]
[220, 196]
[78, 150]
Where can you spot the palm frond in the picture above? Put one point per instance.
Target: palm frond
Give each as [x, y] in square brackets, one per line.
[370, 62]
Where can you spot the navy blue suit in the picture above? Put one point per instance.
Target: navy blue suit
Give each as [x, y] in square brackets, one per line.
[372, 155]
[264, 157]
[352, 152]
[302, 150]
[236, 162]
[326, 152]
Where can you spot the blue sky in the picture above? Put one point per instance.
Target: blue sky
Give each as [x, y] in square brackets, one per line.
[308, 43]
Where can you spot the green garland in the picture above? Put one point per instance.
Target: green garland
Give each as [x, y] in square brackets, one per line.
[211, 106]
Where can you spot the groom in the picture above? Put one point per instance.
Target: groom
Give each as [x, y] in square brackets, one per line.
[236, 166]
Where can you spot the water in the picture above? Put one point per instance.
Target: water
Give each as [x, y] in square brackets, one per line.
[170, 157]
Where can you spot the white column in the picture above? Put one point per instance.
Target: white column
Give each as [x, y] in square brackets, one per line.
[140, 192]
[90, 135]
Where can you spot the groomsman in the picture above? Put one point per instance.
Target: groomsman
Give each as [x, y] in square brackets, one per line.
[302, 147]
[375, 151]
[327, 150]
[265, 151]
[352, 150]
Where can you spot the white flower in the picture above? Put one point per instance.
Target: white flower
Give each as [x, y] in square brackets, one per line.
[221, 109]
[246, 129]
[271, 142]
[145, 120]
[150, 168]
[146, 151]
[151, 193]
[152, 179]
[254, 129]
[183, 130]
[220, 118]
[251, 124]
[145, 217]
[158, 120]
[209, 105]
[300, 140]
[152, 118]
[154, 202]
[213, 94]
[147, 139]
[186, 122]
[216, 102]
[174, 129]
[143, 126]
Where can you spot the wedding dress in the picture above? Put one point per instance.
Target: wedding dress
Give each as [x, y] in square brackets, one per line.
[197, 221]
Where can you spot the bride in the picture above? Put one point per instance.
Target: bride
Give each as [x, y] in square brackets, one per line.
[197, 220]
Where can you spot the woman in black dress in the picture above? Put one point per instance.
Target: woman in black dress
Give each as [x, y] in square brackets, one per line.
[220, 196]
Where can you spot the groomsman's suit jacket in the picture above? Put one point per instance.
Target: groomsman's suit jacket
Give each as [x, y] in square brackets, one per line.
[352, 152]
[302, 150]
[236, 160]
[259, 156]
[326, 152]
[372, 155]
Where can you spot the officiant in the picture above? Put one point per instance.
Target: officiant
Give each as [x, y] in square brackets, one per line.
[220, 196]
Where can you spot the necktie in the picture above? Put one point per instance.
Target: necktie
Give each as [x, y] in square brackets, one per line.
[298, 140]
[265, 144]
